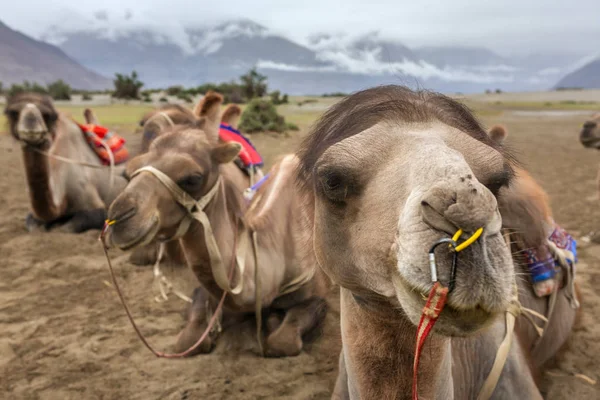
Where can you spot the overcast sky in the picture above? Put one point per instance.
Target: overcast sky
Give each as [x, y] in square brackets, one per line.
[507, 26]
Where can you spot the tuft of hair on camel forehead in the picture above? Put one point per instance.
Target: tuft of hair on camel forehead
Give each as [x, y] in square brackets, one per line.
[393, 103]
[42, 101]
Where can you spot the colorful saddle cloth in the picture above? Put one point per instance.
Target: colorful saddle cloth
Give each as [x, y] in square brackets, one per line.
[248, 157]
[96, 135]
[543, 265]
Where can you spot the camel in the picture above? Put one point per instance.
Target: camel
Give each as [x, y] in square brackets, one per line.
[63, 195]
[387, 172]
[279, 274]
[590, 138]
[158, 121]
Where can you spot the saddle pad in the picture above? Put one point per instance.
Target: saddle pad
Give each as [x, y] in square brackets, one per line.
[96, 135]
[540, 261]
[248, 156]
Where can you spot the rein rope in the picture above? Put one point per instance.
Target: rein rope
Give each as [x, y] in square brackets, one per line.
[82, 163]
[437, 298]
[161, 354]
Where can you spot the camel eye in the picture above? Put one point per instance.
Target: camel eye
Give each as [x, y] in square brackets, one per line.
[191, 183]
[334, 186]
[497, 182]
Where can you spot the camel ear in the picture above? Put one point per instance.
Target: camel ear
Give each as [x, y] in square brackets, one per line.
[90, 117]
[498, 133]
[231, 115]
[210, 107]
[226, 152]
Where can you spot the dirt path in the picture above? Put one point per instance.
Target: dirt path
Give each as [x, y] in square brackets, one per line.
[63, 334]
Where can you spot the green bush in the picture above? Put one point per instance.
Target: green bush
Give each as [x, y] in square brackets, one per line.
[185, 97]
[284, 99]
[127, 86]
[26, 86]
[59, 90]
[291, 126]
[86, 97]
[174, 90]
[335, 94]
[163, 100]
[261, 116]
[254, 84]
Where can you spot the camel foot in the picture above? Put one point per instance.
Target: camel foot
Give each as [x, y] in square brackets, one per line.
[196, 326]
[286, 340]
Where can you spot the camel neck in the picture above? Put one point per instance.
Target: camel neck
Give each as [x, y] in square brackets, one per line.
[46, 202]
[225, 221]
[379, 346]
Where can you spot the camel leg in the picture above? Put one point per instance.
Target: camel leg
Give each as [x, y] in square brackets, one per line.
[196, 325]
[340, 391]
[32, 224]
[85, 220]
[286, 340]
[144, 255]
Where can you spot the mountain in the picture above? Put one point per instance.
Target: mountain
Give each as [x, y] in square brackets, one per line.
[192, 55]
[23, 58]
[587, 77]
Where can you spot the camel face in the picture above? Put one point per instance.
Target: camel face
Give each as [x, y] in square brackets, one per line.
[32, 119]
[386, 193]
[146, 210]
[590, 133]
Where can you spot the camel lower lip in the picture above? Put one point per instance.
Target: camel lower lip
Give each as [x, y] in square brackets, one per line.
[143, 239]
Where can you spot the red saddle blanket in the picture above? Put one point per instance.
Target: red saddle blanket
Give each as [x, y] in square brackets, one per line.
[96, 135]
[248, 156]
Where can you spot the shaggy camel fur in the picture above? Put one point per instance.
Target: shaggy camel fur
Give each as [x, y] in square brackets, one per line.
[193, 158]
[388, 172]
[64, 194]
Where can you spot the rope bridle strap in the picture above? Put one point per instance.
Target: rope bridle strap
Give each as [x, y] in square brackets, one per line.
[196, 212]
[437, 298]
[109, 151]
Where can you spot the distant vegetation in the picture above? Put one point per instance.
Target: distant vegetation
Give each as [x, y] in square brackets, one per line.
[261, 116]
[58, 90]
[127, 86]
[335, 94]
[248, 87]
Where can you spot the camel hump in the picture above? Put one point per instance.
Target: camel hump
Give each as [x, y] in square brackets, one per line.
[498, 133]
[90, 117]
[231, 115]
[209, 105]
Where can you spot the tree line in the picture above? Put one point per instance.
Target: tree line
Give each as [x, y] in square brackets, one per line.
[129, 87]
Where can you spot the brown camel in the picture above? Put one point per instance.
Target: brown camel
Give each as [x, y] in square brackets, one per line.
[590, 138]
[390, 171]
[61, 194]
[158, 121]
[285, 275]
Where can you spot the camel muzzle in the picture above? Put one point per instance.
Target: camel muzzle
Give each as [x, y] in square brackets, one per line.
[462, 204]
[31, 126]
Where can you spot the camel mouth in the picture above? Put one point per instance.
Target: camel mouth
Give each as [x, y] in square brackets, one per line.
[482, 287]
[34, 138]
[455, 320]
[144, 238]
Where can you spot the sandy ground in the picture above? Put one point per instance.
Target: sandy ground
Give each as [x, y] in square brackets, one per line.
[63, 334]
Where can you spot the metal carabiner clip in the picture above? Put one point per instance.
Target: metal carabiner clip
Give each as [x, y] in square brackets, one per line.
[433, 266]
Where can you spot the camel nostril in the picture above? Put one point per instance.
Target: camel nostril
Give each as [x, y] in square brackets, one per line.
[123, 216]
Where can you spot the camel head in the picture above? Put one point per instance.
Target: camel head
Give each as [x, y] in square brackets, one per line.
[392, 172]
[162, 119]
[590, 133]
[155, 122]
[146, 210]
[32, 119]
